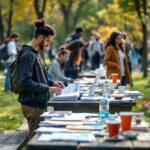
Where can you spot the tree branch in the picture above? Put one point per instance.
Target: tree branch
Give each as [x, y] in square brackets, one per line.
[76, 17]
[11, 2]
[43, 7]
[138, 10]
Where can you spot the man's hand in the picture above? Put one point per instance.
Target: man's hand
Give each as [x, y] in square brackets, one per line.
[55, 90]
[59, 84]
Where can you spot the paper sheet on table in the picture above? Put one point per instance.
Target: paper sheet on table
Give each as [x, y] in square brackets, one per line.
[72, 117]
[91, 127]
[70, 96]
[124, 99]
[50, 130]
[92, 98]
[133, 93]
[144, 126]
[71, 92]
[84, 137]
[51, 114]
[51, 122]
[144, 136]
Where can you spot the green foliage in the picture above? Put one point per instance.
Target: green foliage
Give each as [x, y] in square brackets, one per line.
[140, 84]
[10, 114]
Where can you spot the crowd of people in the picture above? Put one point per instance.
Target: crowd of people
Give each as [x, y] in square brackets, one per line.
[73, 56]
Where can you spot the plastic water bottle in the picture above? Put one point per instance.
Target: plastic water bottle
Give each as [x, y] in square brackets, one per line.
[103, 107]
[91, 91]
[107, 88]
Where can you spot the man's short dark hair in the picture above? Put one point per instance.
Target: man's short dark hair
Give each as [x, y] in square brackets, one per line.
[43, 29]
[79, 30]
[14, 35]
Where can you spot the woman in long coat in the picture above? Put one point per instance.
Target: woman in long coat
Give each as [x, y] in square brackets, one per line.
[115, 58]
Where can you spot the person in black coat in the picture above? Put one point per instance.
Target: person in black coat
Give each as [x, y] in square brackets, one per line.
[72, 66]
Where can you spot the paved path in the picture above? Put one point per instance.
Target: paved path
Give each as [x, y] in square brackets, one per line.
[2, 77]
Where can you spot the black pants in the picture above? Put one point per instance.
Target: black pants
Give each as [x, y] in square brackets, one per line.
[95, 61]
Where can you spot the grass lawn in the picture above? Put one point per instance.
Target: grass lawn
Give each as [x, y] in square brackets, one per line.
[10, 113]
[11, 116]
[140, 84]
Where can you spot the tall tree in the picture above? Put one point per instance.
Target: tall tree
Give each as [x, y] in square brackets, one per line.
[10, 15]
[141, 7]
[40, 9]
[1, 24]
[71, 12]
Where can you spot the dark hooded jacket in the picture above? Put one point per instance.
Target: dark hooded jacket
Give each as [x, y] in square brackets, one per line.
[33, 78]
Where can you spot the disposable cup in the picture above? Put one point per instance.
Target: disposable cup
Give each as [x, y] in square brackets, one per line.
[126, 118]
[113, 128]
[114, 77]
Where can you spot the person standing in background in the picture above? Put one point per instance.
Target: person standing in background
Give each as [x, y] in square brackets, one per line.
[52, 52]
[128, 50]
[12, 51]
[75, 36]
[135, 58]
[56, 69]
[96, 51]
[115, 58]
[72, 66]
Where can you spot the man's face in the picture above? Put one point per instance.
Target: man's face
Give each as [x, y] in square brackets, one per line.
[45, 41]
[16, 39]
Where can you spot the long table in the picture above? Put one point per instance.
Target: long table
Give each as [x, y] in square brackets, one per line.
[92, 106]
[99, 144]
[34, 144]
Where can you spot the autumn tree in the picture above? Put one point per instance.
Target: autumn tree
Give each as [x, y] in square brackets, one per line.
[1, 24]
[141, 7]
[6, 14]
[71, 12]
[40, 9]
[10, 15]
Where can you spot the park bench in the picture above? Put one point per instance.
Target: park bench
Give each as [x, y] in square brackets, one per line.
[14, 139]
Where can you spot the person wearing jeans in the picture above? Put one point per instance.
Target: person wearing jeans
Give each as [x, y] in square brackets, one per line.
[12, 51]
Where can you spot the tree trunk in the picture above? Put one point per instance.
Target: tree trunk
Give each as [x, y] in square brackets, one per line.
[1, 25]
[141, 8]
[77, 14]
[11, 2]
[145, 50]
[39, 12]
[67, 23]
[66, 11]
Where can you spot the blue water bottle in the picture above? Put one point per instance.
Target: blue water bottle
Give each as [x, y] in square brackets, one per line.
[103, 108]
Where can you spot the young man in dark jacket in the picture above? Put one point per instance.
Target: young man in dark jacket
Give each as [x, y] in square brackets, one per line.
[33, 76]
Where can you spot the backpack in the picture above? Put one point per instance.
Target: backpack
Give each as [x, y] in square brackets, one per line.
[4, 52]
[16, 86]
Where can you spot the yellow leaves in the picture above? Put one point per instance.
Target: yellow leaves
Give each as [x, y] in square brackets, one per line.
[105, 31]
[24, 10]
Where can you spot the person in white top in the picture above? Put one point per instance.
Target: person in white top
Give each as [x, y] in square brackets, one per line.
[12, 51]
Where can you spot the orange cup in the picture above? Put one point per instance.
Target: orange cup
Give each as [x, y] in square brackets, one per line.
[114, 77]
[113, 128]
[126, 119]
